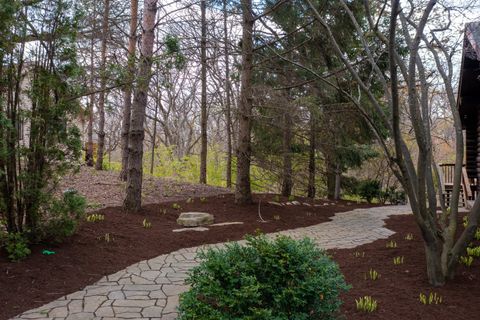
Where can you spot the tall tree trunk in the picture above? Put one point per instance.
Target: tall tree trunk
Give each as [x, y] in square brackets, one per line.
[127, 95]
[91, 104]
[311, 158]
[103, 86]
[154, 137]
[228, 112]
[133, 199]
[287, 182]
[338, 182]
[433, 253]
[243, 192]
[330, 173]
[203, 120]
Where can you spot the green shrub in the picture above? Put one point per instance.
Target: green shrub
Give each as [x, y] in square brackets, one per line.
[16, 245]
[64, 216]
[279, 279]
[350, 185]
[369, 189]
[393, 196]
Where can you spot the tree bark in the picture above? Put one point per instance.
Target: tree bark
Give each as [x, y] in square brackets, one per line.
[287, 182]
[435, 273]
[311, 157]
[103, 85]
[127, 96]
[89, 147]
[338, 183]
[243, 193]
[133, 199]
[154, 137]
[203, 120]
[228, 112]
[330, 174]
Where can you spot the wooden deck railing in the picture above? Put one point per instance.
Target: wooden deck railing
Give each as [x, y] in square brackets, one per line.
[469, 186]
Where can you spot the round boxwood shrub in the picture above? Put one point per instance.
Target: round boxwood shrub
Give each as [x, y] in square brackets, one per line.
[277, 279]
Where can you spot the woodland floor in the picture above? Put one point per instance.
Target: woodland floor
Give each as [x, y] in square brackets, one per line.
[103, 189]
[86, 257]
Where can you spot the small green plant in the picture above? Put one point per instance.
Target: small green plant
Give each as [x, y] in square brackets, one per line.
[176, 206]
[366, 304]
[391, 244]
[398, 260]
[95, 217]
[409, 237]
[357, 254]
[467, 261]
[94, 205]
[477, 234]
[16, 245]
[265, 279]
[276, 198]
[465, 221]
[291, 197]
[372, 275]
[474, 252]
[108, 237]
[203, 199]
[189, 200]
[433, 298]
[147, 224]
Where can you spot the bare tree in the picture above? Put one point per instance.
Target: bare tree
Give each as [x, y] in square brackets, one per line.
[228, 112]
[91, 103]
[103, 85]
[127, 105]
[287, 172]
[133, 199]
[408, 74]
[203, 106]
[311, 189]
[243, 193]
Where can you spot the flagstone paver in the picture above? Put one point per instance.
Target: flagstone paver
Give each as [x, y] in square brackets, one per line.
[150, 289]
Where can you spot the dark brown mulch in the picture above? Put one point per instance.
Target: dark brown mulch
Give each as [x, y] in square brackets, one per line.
[86, 257]
[397, 290]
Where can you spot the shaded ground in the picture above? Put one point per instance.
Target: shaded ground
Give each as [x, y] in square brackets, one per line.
[103, 189]
[399, 286]
[102, 248]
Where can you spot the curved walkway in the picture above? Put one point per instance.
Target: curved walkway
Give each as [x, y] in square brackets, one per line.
[150, 288]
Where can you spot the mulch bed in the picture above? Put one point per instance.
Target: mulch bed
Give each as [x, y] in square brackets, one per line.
[399, 286]
[86, 257]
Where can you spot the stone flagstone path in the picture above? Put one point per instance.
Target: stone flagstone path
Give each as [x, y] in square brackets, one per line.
[150, 288]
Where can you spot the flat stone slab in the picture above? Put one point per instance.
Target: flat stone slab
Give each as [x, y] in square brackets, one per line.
[221, 224]
[198, 229]
[276, 203]
[195, 219]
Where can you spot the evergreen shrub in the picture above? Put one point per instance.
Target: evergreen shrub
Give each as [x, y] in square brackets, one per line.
[64, 216]
[265, 279]
[16, 245]
[369, 189]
